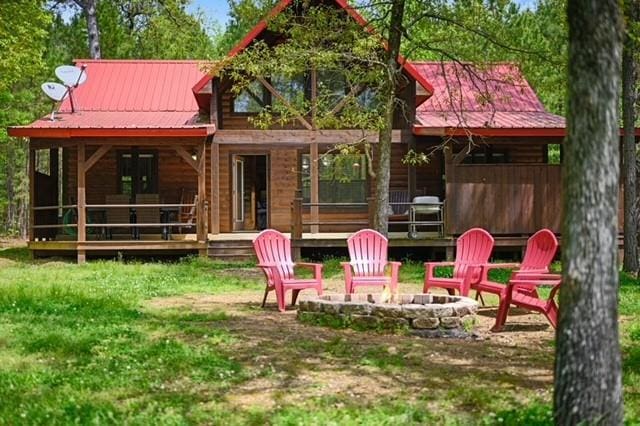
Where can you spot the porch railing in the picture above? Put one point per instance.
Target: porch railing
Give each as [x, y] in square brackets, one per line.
[200, 222]
[410, 218]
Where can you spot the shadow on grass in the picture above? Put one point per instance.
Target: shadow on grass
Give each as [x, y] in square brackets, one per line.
[301, 365]
[16, 254]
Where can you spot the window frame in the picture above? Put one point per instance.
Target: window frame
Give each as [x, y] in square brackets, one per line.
[135, 169]
[266, 100]
[357, 208]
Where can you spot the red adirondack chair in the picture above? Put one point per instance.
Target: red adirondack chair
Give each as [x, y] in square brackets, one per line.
[473, 249]
[541, 249]
[368, 253]
[519, 292]
[273, 250]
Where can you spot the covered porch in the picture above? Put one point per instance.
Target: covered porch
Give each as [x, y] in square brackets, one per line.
[101, 196]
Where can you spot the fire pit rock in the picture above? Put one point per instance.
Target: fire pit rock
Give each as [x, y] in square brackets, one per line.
[427, 315]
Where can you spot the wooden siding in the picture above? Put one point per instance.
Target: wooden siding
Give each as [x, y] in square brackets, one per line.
[504, 198]
[174, 175]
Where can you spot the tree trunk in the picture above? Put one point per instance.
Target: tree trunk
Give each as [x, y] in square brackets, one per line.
[629, 76]
[383, 171]
[89, 8]
[588, 386]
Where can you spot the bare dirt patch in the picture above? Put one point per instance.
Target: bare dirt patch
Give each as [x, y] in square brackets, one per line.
[290, 362]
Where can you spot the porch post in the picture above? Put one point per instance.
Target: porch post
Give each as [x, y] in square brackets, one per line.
[215, 188]
[315, 196]
[32, 193]
[82, 219]
[200, 208]
[411, 173]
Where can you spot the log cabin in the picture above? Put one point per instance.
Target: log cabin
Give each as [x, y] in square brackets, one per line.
[161, 157]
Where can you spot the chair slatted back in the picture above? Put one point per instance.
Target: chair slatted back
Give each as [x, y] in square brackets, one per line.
[541, 249]
[274, 247]
[117, 215]
[472, 248]
[188, 214]
[399, 196]
[368, 253]
[148, 214]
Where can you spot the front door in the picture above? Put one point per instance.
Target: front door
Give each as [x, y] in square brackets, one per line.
[250, 192]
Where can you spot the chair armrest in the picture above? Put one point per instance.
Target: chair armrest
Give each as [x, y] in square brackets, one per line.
[395, 267]
[348, 272]
[490, 266]
[431, 266]
[533, 283]
[537, 276]
[501, 265]
[316, 267]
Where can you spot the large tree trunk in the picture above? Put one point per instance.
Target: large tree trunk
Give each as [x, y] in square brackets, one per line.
[383, 171]
[629, 76]
[588, 386]
[89, 9]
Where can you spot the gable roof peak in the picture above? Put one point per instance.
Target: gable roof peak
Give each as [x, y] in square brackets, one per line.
[351, 11]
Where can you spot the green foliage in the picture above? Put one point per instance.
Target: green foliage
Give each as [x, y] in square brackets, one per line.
[243, 15]
[347, 60]
[533, 415]
[23, 32]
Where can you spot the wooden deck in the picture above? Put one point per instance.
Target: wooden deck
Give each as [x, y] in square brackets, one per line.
[238, 245]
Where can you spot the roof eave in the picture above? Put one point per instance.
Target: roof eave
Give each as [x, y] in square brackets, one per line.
[489, 132]
[131, 132]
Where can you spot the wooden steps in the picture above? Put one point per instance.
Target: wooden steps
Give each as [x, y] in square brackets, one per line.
[233, 250]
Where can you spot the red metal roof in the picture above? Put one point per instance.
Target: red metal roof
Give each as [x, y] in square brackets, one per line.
[470, 98]
[137, 85]
[344, 4]
[128, 94]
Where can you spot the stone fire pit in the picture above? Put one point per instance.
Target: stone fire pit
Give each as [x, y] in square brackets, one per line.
[426, 315]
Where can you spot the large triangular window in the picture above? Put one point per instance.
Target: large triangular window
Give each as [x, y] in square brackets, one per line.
[251, 100]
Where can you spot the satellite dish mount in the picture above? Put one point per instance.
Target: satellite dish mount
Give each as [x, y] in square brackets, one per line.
[71, 78]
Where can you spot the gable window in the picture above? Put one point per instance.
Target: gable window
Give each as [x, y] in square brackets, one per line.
[251, 100]
[332, 86]
[342, 178]
[137, 172]
[368, 99]
[293, 89]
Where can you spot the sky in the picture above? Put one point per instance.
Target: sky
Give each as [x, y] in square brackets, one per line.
[218, 10]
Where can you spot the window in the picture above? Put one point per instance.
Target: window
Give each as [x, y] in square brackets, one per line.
[342, 178]
[251, 100]
[293, 89]
[486, 155]
[331, 86]
[368, 99]
[137, 172]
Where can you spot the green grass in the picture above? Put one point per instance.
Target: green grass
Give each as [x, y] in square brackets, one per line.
[81, 344]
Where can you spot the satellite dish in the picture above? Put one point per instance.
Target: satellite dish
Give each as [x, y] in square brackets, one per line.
[55, 91]
[71, 76]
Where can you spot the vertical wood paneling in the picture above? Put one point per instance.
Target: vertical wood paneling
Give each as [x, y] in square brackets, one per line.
[505, 198]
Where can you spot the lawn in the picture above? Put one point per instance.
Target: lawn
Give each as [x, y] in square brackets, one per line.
[187, 342]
